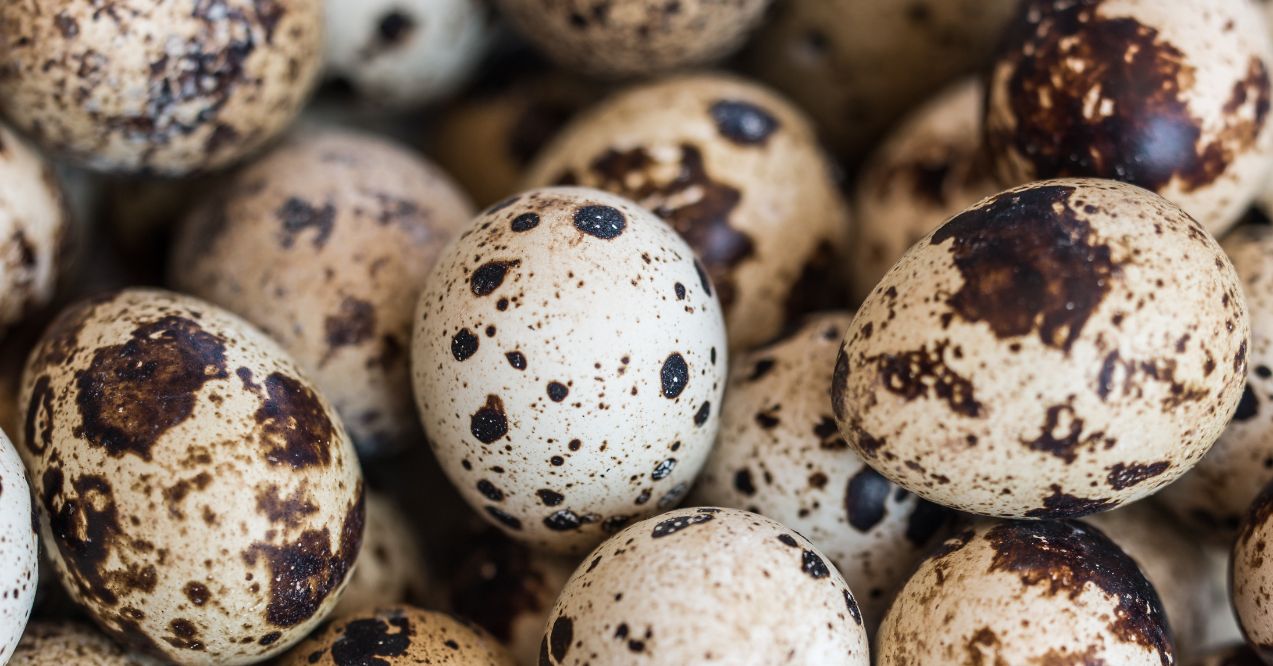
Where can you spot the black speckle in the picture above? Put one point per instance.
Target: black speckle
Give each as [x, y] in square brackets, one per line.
[743, 123]
[363, 641]
[1248, 406]
[557, 391]
[812, 564]
[864, 499]
[680, 291]
[852, 605]
[675, 375]
[489, 276]
[563, 521]
[674, 525]
[525, 222]
[464, 345]
[516, 359]
[489, 491]
[703, 413]
[663, 469]
[560, 637]
[603, 222]
[505, 519]
[549, 497]
[702, 277]
[489, 423]
[788, 540]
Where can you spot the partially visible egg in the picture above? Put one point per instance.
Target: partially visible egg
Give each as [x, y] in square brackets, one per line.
[569, 358]
[738, 172]
[391, 566]
[398, 635]
[1171, 96]
[35, 228]
[1056, 350]
[70, 643]
[19, 549]
[705, 586]
[1251, 575]
[198, 498]
[780, 454]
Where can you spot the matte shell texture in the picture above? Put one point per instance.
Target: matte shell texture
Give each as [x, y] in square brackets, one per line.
[1214, 496]
[1251, 575]
[395, 635]
[35, 227]
[19, 549]
[67, 644]
[738, 172]
[929, 168]
[324, 244]
[705, 586]
[391, 567]
[1171, 96]
[1237, 655]
[780, 454]
[629, 38]
[402, 53]
[1053, 351]
[569, 359]
[196, 496]
[161, 86]
[1030, 592]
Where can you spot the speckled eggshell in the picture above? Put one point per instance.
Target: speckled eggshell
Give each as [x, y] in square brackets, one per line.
[402, 53]
[158, 86]
[66, 643]
[1171, 96]
[34, 228]
[1027, 592]
[1056, 350]
[569, 359]
[780, 454]
[324, 244]
[391, 566]
[930, 167]
[1251, 575]
[396, 635]
[198, 499]
[19, 549]
[1237, 655]
[858, 65]
[632, 38]
[705, 586]
[738, 172]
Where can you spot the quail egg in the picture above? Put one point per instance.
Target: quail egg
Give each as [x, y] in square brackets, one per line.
[1056, 350]
[1251, 575]
[398, 635]
[19, 549]
[67, 644]
[34, 228]
[197, 497]
[391, 567]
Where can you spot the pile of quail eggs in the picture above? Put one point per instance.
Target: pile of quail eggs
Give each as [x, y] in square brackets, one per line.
[566, 332]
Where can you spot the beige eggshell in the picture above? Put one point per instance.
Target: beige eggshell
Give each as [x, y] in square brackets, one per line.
[631, 38]
[856, 66]
[158, 86]
[19, 550]
[568, 358]
[1056, 350]
[738, 172]
[324, 244]
[929, 168]
[1170, 96]
[1027, 592]
[391, 567]
[780, 454]
[66, 643]
[705, 586]
[1251, 575]
[35, 228]
[394, 635]
[200, 501]
[1236, 655]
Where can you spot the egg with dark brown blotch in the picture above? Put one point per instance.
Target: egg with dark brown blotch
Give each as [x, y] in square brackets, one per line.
[391, 566]
[780, 454]
[19, 549]
[1171, 96]
[1251, 575]
[1027, 592]
[49, 643]
[398, 635]
[35, 228]
[157, 86]
[196, 495]
[569, 358]
[324, 244]
[1055, 350]
[738, 172]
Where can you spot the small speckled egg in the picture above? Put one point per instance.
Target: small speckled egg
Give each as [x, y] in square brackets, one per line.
[19, 549]
[158, 86]
[398, 635]
[705, 586]
[324, 244]
[1251, 575]
[738, 172]
[631, 38]
[34, 228]
[780, 454]
[67, 643]
[1236, 655]
[406, 52]
[857, 65]
[391, 567]
[930, 167]
[1171, 96]
[196, 496]
[1056, 350]
[1027, 592]
[569, 359]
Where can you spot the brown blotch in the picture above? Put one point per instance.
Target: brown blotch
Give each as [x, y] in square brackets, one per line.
[1125, 476]
[298, 215]
[38, 427]
[290, 510]
[293, 425]
[353, 324]
[914, 374]
[1062, 434]
[1061, 504]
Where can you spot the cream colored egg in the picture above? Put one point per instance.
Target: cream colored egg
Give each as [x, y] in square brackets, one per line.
[1056, 350]
[199, 500]
[391, 566]
[19, 549]
[66, 643]
[35, 228]
[394, 635]
[1251, 575]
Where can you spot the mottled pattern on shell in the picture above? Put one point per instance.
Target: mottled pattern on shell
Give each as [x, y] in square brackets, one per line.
[48, 643]
[398, 635]
[19, 549]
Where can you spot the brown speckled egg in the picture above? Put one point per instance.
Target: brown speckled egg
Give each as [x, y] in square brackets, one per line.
[34, 228]
[780, 454]
[1056, 350]
[198, 498]
[324, 244]
[628, 38]
[1251, 575]
[1027, 592]
[857, 65]
[929, 168]
[1214, 496]
[396, 635]
[70, 643]
[737, 171]
[1236, 655]
[19, 550]
[391, 567]
[569, 359]
[1171, 96]
[705, 586]
[160, 86]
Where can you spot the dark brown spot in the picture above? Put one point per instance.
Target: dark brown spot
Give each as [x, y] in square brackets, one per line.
[365, 640]
[604, 222]
[294, 427]
[488, 424]
[865, 497]
[1125, 476]
[674, 525]
[516, 359]
[549, 497]
[38, 427]
[197, 593]
[925, 521]
[703, 413]
[663, 469]
[394, 27]
[290, 510]
[354, 324]
[464, 345]
[743, 482]
[507, 520]
[489, 491]
[1062, 434]
[674, 376]
[564, 520]
[298, 215]
[1064, 505]
[557, 391]
[812, 564]
[1248, 406]
[524, 222]
[742, 122]
[560, 637]
[489, 276]
[914, 374]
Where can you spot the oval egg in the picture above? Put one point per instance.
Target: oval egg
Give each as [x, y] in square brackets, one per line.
[1251, 575]
[62, 643]
[398, 635]
[35, 226]
[19, 549]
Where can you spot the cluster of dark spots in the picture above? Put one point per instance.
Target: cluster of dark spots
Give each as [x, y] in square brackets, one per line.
[1163, 371]
[298, 215]
[674, 376]
[1066, 556]
[38, 426]
[560, 637]
[743, 482]
[185, 636]
[290, 510]
[516, 359]
[914, 374]
[549, 497]
[564, 520]
[674, 525]
[364, 641]
[489, 491]
[604, 222]
[464, 345]
[1029, 264]
[489, 276]
[663, 469]
[132, 393]
[1248, 406]
[524, 222]
[489, 423]
[1064, 505]
[507, 520]
[865, 497]
[812, 564]
[557, 391]
[294, 427]
[1062, 434]
[742, 122]
[353, 324]
[1123, 476]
